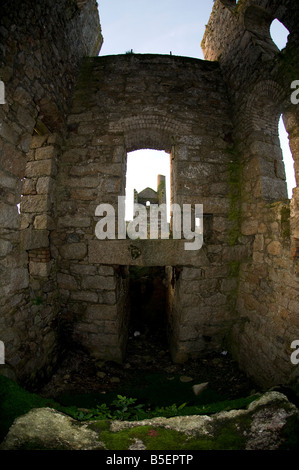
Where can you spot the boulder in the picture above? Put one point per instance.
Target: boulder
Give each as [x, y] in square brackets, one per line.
[48, 429]
[270, 422]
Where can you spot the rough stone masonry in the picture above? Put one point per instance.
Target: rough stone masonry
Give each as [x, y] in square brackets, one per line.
[69, 121]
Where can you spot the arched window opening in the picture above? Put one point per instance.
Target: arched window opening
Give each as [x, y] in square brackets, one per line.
[287, 158]
[142, 179]
[279, 34]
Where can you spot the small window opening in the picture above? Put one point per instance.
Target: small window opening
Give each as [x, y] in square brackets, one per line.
[144, 170]
[279, 34]
[287, 158]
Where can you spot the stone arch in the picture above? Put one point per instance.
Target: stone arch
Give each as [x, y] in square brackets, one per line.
[150, 131]
[156, 132]
[263, 107]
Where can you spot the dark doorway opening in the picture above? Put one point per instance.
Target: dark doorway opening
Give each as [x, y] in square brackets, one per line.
[148, 311]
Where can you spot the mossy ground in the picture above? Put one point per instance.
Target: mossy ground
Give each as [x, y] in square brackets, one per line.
[16, 401]
[225, 434]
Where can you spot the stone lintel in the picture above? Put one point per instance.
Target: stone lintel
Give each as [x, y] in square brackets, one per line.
[145, 253]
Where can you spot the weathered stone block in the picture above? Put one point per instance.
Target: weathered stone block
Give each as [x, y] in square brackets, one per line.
[87, 128]
[39, 269]
[65, 281]
[83, 269]
[258, 243]
[40, 168]
[110, 328]
[45, 185]
[112, 185]
[25, 119]
[13, 160]
[36, 203]
[101, 312]
[9, 216]
[74, 221]
[273, 189]
[249, 227]
[99, 282]
[274, 248]
[8, 133]
[192, 273]
[85, 169]
[216, 299]
[85, 194]
[228, 285]
[85, 296]
[105, 270]
[8, 181]
[29, 187]
[84, 182]
[43, 221]
[73, 251]
[19, 279]
[45, 153]
[109, 297]
[190, 287]
[38, 141]
[5, 247]
[258, 257]
[32, 239]
[215, 205]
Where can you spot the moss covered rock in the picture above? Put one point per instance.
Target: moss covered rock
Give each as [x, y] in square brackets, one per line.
[46, 428]
[269, 423]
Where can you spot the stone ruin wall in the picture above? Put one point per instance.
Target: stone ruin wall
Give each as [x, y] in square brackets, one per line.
[41, 51]
[218, 120]
[126, 103]
[259, 80]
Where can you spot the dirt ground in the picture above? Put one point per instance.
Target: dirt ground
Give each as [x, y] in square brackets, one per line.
[147, 355]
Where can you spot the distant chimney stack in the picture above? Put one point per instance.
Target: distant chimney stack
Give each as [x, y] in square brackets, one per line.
[161, 189]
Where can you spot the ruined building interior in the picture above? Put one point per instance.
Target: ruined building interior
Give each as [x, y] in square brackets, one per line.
[69, 120]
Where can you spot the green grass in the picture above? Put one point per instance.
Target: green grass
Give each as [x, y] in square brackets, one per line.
[14, 402]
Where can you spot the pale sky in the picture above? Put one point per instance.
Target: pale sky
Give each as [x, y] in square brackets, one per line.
[154, 26]
[161, 27]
